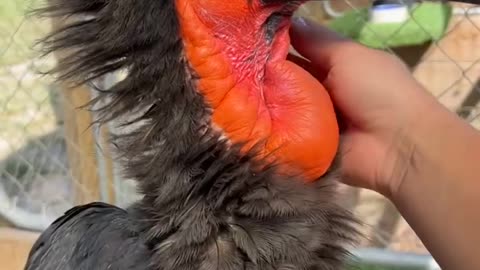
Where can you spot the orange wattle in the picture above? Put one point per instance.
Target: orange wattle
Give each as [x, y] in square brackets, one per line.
[279, 103]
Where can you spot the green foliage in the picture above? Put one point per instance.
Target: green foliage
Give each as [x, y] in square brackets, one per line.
[428, 22]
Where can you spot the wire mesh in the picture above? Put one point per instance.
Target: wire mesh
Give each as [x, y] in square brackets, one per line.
[37, 145]
[32, 147]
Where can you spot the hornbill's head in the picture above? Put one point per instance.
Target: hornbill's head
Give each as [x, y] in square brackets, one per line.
[207, 81]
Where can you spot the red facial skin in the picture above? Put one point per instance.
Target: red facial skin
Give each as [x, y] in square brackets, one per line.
[256, 94]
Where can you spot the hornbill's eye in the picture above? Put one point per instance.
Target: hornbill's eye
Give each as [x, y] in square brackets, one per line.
[272, 23]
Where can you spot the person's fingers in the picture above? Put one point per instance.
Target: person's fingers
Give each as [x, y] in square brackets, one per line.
[316, 43]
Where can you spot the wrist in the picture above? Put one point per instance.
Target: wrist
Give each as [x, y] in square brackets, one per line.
[440, 186]
[401, 141]
[436, 140]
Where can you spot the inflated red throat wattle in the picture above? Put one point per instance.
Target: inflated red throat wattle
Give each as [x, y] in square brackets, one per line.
[239, 49]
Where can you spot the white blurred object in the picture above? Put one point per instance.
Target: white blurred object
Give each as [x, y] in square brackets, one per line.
[389, 12]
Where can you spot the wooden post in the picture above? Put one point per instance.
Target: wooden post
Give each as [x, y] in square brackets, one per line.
[81, 143]
[108, 167]
[81, 146]
[15, 246]
[79, 138]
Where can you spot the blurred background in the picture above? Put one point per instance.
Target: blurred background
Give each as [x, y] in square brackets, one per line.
[51, 159]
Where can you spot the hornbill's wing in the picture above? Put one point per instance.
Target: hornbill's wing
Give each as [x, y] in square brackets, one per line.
[90, 237]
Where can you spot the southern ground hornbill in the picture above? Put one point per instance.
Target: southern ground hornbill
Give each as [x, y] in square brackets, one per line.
[228, 140]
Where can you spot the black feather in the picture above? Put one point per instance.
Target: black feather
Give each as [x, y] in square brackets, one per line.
[205, 205]
[91, 237]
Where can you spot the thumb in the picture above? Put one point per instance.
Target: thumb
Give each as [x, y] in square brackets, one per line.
[316, 43]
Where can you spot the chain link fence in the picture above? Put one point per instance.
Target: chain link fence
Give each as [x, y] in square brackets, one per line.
[50, 160]
[41, 133]
[32, 148]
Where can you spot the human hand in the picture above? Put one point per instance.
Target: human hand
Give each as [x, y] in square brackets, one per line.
[377, 99]
[400, 141]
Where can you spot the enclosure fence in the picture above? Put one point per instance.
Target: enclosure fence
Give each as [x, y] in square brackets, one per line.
[50, 160]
